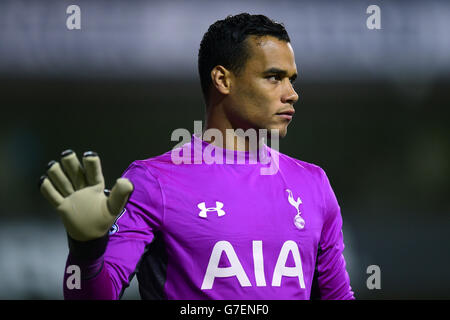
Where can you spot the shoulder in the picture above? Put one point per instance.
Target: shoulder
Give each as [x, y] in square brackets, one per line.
[305, 168]
[151, 165]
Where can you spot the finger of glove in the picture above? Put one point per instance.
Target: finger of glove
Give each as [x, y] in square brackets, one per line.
[93, 169]
[59, 179]
[74, 170]
[119, 196]
[50, 193]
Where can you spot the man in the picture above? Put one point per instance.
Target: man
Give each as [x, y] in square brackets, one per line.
[211, 231]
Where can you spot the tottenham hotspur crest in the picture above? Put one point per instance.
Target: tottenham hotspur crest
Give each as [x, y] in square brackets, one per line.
[298, 220]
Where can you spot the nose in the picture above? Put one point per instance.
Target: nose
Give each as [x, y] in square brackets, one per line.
[290, 96]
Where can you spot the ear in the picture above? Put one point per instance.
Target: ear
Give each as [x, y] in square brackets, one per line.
[221, 79]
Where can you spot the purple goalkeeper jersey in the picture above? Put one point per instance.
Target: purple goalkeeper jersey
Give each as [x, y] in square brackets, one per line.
[222, 231]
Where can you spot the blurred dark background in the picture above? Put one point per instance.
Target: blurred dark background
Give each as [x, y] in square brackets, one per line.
[373, 113]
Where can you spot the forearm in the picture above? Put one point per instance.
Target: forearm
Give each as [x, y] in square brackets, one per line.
[94, 284]
[86, 274]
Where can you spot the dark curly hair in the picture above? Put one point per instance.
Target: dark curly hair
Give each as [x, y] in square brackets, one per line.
[223, 44]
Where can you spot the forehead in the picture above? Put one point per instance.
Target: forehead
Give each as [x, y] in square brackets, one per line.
[267, 52]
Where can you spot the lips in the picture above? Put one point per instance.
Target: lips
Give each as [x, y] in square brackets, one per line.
[287, 114]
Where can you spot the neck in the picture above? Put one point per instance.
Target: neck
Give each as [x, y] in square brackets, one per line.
[232, 138]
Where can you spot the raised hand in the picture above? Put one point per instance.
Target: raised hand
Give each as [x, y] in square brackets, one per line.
[77, 193]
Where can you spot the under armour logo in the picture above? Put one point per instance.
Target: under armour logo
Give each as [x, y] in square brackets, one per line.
[204, 209]
[298, 220]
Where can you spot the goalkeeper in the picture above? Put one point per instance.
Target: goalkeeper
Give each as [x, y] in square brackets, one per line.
[211, 231]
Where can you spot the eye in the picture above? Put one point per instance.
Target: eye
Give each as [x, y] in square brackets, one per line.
[274, 78]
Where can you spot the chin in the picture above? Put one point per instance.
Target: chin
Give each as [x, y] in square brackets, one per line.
[282, 131]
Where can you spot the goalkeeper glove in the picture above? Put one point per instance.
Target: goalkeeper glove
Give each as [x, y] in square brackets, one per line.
[77, 193]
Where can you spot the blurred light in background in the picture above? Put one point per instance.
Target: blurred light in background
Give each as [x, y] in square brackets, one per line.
[161, 38]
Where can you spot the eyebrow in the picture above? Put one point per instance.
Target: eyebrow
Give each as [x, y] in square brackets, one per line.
[280, 72]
